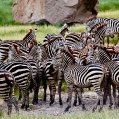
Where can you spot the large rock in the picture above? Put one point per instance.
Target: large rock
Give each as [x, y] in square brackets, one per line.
[53, 11]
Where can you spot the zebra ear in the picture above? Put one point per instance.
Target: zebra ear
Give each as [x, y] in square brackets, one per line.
[30, 30]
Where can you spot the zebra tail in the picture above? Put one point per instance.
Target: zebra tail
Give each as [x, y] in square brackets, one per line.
[10, 83]
[31, 86]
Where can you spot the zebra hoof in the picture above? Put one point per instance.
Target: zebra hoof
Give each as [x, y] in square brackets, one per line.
[93, 110]
[100, 109]
[118, 105]
[44, 99]
[22, 106]
[51, 102]
[26, 107]
[115, 106]
[60, 102]
[83, 107]
[67, 109]
[75, 102]
[34, 103]
[79, 102]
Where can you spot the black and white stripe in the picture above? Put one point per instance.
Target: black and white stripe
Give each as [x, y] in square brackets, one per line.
[81, 76]
[23, 75]
[29, 39]
[7, 90]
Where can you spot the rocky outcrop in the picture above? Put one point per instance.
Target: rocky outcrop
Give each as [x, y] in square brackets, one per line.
[53, 11]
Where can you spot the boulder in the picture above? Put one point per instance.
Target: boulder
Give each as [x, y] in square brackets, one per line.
[53, 11]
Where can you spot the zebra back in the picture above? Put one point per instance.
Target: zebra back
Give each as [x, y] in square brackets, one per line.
[29, 39]
[53, 44]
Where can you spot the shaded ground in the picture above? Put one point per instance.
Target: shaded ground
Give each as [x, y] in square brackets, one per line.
[56, 109]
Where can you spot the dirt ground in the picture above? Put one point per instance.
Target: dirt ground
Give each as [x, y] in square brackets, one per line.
[55, 110]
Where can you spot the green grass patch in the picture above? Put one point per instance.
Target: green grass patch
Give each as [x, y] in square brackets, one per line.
[105, 5]
[109, 14]
[83, 115]
[18, 32]
[6, 12]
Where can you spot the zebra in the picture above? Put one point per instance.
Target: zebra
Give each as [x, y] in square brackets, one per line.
[104, 58]
[23, 75]
[112, 24]
[81, 76]
[45, 68]
[100, 31]
[62, 33]
[7, 90]
[50, 46]
[30, 38]
[15, 54]
[78, 38]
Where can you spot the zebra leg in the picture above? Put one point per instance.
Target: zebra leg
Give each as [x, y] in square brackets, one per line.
[107, 41]
[75, 97]
[114, 95]
[80, 96]
[20, 94]
[118, 97]
[15, 103]
[105, 95]
[100, 98]
[75, 89]
[35, 97]
[36, 90]
[79, 100]
[45, 88]
[26, 100]
[60, 78]
[70, 90]
[25, 103]
[9, 105]
[59, 91]
[110, 97]
[52, 92]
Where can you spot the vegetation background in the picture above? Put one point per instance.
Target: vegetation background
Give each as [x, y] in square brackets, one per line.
[11, 30]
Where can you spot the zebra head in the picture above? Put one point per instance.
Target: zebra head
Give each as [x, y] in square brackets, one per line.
[109, 32]
[63, 30]
[89, 23]
[13, 54]
[29, 39]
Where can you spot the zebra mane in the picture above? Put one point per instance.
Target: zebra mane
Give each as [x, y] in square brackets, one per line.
[31, 46]
[112, 51]
[106, 51]
[88, 37]
[73, 33]
[50, 41]
[98, 26]
[27, 34]
[69, 52]
[91, 18]
[64, 29]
